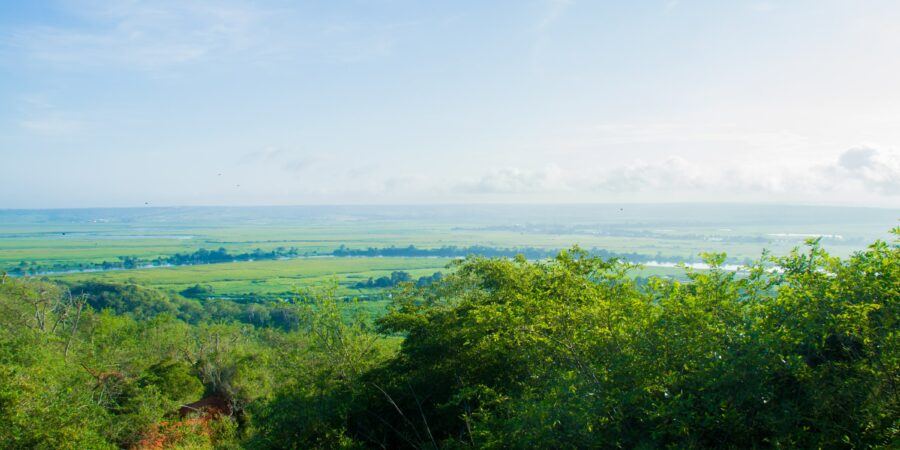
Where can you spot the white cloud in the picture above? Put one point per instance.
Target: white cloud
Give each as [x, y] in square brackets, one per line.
[513, 180]
[877, 170]
[673, 172]
[864, 170]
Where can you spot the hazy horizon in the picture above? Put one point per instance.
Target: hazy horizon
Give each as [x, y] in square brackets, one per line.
[185, 103]
[709, 204]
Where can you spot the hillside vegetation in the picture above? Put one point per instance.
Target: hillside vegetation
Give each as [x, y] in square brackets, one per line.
[571, 352]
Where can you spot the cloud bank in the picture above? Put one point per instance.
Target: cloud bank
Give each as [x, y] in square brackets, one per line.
[867, 170]
[875, 169]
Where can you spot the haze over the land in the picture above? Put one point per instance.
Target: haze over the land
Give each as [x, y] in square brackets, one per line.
[225, 102]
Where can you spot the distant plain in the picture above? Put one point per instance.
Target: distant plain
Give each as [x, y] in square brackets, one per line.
[62, 238]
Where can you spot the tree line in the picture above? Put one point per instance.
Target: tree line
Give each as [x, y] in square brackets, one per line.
[397, 278]
[199, 256]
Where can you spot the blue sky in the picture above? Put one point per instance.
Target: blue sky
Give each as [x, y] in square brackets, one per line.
[287, 102]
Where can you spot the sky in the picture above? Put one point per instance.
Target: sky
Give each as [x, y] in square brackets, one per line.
[134, 103]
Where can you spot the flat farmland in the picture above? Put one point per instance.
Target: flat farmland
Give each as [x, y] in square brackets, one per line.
[269, 277]
[61, 244]
[57, 241]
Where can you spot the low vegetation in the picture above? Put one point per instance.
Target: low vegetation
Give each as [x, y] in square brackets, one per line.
[571, 352]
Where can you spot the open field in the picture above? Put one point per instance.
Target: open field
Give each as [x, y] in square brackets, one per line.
[95, 235]
[56, 239]
[268, 278]
[285, 276]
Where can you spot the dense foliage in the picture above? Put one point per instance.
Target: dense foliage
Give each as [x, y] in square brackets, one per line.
[192, 306]
[799, 351]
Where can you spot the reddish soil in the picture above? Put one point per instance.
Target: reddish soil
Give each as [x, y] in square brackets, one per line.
[193, 418]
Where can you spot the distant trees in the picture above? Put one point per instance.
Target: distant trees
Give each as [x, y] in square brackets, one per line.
[120, 298]
[396, 278]
[221, 255]
[194, 306]
[428, 280]
[129, 262]
[197, 291]
[200, 256]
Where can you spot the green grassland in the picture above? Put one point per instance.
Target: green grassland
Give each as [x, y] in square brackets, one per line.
[108, 242]
[683, 231]
[281, 279]
[269, 277]
[285, 276]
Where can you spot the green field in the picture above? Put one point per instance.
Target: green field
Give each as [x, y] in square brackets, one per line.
[269, 277]
[56, 239]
